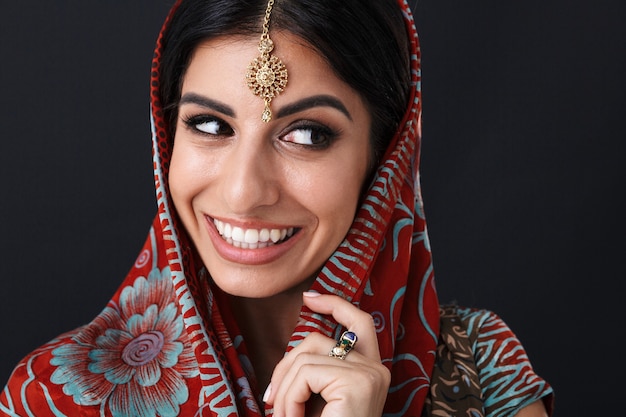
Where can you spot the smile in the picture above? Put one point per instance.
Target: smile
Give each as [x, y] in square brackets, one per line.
[251, 238]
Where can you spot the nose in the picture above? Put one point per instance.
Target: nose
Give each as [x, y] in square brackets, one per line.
[250, 175]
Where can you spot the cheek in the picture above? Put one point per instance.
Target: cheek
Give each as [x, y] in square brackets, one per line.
[334, 195]
[178, 178]
[186, 176]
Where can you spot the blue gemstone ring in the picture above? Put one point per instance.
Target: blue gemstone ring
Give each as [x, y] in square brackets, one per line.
[344, 345]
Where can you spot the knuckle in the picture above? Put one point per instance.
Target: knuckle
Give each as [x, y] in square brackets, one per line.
[375, 378]
[301, 359]
[315, 337]
[370, 321]
[386, 375]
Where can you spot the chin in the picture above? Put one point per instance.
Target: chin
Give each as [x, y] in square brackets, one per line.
[257, 286]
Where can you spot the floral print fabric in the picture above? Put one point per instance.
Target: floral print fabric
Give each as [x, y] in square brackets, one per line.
[133, 358]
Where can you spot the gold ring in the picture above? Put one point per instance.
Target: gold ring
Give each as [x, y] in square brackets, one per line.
[344, 345]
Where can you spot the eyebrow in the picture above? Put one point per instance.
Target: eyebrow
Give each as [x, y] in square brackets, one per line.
[287, 110]
[206, 102]
[313, 101]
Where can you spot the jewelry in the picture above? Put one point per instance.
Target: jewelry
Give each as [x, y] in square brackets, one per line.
[344, 345]
[266, 75]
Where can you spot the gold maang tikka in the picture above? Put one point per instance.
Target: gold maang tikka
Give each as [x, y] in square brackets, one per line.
[266, 75]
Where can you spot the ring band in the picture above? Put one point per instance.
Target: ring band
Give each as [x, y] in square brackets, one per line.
[344, 345]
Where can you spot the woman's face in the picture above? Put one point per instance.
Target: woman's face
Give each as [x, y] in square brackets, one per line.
[266, 204]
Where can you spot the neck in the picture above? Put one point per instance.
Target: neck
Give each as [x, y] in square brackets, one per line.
[266, 325]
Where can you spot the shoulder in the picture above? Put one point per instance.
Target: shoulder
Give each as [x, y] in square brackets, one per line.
[135, 355]
[507, 379]
[28, 389]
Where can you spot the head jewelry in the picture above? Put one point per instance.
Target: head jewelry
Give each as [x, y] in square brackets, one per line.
[266, 75]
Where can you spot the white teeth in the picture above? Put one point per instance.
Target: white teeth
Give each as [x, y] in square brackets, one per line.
[251, 238]
[238, 234]
[275, 235]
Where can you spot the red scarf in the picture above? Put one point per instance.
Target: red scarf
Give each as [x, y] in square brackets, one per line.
[161, 346]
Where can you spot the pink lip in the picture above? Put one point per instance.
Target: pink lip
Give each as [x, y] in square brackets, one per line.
[249, 256]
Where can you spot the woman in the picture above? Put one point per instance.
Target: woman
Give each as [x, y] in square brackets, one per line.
[288, 270]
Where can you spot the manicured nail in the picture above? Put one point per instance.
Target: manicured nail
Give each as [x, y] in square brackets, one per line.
[268, 391]
[311, 294]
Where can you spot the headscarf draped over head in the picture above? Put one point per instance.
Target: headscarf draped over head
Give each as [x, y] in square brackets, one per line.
[163, 347]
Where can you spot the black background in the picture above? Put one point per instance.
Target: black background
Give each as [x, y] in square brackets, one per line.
[522, 171]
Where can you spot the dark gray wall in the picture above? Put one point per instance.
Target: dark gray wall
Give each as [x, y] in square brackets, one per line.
[522, 171]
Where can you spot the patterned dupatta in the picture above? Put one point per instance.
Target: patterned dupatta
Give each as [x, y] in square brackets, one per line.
[162, 347]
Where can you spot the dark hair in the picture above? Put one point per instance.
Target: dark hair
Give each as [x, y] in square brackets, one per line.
[365, 42]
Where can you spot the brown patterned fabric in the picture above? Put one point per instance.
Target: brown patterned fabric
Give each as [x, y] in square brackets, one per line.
[455, 387]
[481, 369]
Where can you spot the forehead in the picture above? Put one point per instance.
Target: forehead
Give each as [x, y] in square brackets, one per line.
[220, 65]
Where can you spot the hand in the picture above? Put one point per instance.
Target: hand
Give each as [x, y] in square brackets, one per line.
[356, 386]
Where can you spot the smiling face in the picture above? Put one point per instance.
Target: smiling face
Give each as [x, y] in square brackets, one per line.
[266, 204]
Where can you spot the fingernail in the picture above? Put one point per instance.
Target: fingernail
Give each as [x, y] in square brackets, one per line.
[311, 294]
[268, 391]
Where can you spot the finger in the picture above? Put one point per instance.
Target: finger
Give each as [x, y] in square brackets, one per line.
[361, 323]
[313, 347]
[354, 392]
[301, 368]
[351, 317]
[312, 350]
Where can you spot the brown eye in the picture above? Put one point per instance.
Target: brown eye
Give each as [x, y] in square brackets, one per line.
[312, 135]
[303, 137]
[209, 125]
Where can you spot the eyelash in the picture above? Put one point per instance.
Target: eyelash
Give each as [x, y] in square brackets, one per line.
[317, 129]
[192, 123]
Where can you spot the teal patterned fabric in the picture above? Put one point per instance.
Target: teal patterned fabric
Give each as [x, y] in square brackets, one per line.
[481, 369]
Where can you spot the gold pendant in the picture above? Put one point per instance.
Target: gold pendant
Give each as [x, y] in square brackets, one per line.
[266, 76]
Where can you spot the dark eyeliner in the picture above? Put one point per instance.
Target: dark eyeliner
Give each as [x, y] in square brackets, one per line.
[193, 121]
[329, 134]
